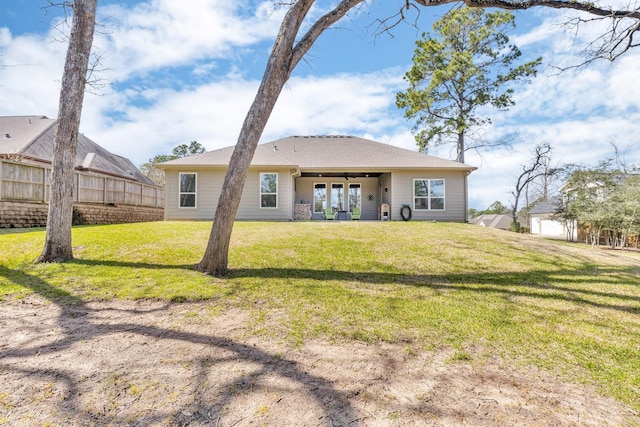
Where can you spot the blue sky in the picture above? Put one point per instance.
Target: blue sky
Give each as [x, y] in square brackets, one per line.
[174, 74]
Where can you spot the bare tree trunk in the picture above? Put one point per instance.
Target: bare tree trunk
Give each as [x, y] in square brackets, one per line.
[460, 148]
[57, 246]
[541, 156]
[285, 55]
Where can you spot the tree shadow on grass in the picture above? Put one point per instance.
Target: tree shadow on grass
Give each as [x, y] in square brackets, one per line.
[560, 283]
[127, 264]
[77, 323]
[563, 285]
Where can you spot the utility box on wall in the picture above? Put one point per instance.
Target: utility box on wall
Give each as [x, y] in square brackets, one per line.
[385, 212]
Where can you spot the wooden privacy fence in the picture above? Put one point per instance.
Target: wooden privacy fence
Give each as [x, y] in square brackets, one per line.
[31, 183]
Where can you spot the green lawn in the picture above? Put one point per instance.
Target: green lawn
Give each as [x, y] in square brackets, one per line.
[482, 292]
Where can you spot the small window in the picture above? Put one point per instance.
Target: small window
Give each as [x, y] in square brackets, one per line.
[268, 190]
[187, 190]
[428, 194]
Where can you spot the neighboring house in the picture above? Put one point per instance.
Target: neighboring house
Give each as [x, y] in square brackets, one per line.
[112, 184]
[300, 177]
[543, 222]
[499, 221]
[29, 139]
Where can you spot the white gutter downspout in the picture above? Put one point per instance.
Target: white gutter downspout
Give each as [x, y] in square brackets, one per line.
[466, 197]
[294, 175]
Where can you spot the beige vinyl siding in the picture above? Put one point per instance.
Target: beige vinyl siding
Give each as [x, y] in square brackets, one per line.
[250, 209]
[402, 193]
[208, 185]
[208, 188]
[385, 183]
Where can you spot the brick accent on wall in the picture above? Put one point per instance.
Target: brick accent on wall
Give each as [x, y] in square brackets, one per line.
[24, 214]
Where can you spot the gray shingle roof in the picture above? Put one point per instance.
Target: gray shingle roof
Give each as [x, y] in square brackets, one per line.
[32, 136]
[326, 152]
[18, 132]
[501, 221]
[264, 156]
[547, 206]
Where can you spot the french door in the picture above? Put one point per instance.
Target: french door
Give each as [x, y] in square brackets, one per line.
[355, 196]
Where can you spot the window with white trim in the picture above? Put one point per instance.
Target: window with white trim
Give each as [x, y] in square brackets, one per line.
[428, 194]
[268, 190]
[187, 193]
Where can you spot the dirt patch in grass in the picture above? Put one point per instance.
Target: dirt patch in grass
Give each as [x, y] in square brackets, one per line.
[150, 363]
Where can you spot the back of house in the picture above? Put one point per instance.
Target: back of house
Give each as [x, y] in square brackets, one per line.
[306, 177]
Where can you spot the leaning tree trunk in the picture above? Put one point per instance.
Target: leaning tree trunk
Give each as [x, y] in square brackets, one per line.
[57, 246]
[285, 55]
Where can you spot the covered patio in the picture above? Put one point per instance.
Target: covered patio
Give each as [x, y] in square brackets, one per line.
[339, 193]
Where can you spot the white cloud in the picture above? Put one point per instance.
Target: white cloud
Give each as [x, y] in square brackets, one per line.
[338, 104]
[30, 75]
[5, 37]
[210, 114]
[167, 33]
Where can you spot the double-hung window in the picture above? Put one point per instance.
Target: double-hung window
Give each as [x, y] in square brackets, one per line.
[187, 193]
[268, 190]
[428, 194]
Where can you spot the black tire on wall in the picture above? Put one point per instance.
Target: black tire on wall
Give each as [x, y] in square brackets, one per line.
[405, 212]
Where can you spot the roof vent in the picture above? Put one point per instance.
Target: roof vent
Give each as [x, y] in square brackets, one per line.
[88, 160]
[7, 135]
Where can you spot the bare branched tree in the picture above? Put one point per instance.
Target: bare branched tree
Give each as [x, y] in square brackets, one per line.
[95, 84]
[530, 173]
[620, 157]
[618, 38]
[57, 246]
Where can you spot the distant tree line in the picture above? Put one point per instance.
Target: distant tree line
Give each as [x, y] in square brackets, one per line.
[495, 208]
[150, 170]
